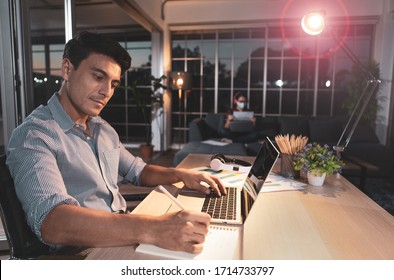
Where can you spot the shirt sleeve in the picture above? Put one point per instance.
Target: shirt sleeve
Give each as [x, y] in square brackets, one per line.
[130, 167]
[31, 158]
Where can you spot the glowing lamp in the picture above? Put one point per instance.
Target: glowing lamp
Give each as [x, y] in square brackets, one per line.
[313, 23]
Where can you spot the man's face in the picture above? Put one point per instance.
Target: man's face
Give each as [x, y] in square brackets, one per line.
[89, 87]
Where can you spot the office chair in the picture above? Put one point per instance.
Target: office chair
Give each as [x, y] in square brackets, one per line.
[23, 243]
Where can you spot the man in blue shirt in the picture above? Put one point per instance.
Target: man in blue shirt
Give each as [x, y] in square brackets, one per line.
[65, 161]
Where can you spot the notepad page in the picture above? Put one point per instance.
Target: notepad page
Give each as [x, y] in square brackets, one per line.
[221, 243]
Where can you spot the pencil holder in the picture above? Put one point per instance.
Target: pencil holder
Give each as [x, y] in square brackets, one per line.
[287, 167]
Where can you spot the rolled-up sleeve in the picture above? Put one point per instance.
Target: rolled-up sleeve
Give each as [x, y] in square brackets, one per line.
[31, 158]
[130, 167]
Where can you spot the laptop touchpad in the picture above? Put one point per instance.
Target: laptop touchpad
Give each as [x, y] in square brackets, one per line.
[191, 199]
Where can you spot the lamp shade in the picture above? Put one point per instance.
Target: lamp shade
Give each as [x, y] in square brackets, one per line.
[180, 80]
[314, 23]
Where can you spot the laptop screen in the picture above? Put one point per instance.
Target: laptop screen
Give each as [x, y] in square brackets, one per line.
[243, 115]
[259, 172]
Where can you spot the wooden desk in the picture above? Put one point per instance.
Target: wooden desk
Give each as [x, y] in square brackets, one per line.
[335, 221]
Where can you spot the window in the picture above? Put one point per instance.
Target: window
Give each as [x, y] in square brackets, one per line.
[282, 73]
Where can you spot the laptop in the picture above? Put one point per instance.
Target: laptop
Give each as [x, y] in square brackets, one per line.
[234, 208]
[243, 115]
[242, 121]
[223, 240]
[241, 126]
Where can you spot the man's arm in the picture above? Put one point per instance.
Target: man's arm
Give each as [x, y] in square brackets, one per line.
[153, 175]
[79, 226]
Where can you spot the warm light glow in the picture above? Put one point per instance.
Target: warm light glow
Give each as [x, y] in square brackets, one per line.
[313, 23]
[179, 82]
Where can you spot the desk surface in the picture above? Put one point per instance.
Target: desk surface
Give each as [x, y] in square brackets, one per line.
[335, 221]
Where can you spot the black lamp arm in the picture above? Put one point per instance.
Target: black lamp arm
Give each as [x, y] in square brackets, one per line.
[362, 102]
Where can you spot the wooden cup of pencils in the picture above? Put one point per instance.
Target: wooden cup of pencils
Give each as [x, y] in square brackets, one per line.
[289, 146]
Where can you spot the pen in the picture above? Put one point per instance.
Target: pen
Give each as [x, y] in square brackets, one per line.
[163, 190]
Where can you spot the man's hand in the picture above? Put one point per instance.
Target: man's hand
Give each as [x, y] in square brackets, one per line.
[182, 231]
[200, 181]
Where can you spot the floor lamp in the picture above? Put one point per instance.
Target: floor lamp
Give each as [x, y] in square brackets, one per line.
[181, 81]
[314, 23]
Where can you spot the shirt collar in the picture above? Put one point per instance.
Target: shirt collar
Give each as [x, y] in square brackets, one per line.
[61, 116]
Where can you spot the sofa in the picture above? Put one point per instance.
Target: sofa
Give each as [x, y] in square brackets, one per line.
[364, 144]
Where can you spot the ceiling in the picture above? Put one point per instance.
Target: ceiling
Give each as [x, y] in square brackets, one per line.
[47, 17]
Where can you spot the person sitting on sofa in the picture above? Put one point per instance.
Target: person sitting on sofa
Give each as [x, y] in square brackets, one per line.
[228, 132]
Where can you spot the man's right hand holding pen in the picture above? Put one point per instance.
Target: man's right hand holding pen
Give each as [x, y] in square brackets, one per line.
[182, 231]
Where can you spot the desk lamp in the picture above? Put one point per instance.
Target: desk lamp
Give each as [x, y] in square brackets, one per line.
[314, 23]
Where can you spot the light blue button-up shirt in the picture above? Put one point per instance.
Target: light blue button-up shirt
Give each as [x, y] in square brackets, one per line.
[54, 162]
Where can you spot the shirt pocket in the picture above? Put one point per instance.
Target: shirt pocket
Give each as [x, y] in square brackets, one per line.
[111, 166]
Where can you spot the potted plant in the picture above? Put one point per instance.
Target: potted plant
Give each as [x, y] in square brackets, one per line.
[316, 160]
[146, 99]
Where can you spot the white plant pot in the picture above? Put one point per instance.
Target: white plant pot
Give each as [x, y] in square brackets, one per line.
[316, 180]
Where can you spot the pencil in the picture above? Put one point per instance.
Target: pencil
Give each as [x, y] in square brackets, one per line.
[170, 196]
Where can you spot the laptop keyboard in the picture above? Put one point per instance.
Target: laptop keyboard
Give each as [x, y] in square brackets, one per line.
[222, 207]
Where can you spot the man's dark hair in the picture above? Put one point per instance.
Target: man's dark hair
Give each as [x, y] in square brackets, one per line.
[86, 43]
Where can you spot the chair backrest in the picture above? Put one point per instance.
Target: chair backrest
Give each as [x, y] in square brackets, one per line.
[23, 243]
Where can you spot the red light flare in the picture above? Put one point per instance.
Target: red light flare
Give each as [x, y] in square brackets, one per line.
[290, 5]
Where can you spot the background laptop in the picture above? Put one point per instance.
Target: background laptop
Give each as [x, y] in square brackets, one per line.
[243, 115]
[242, 121]
[241, 126]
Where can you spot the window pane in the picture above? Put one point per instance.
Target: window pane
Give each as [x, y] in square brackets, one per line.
[241, 50]
[256, 101]
[225, 49]
[193, 49]
[224, 101]
[273, 73]
[306, 103]
[272, 106]
[307, 73]
[178, 49]
[323, 103]
[257, 72]
[209, 74]
[194, 66]
[290, 73]
[38, 59]
[208, 49]
[289, 102]
[224, 73]
[193, 101]
[178, 65]
[208, 101]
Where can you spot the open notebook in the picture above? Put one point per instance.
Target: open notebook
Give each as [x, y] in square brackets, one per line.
[222, 240]
[220, 244]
